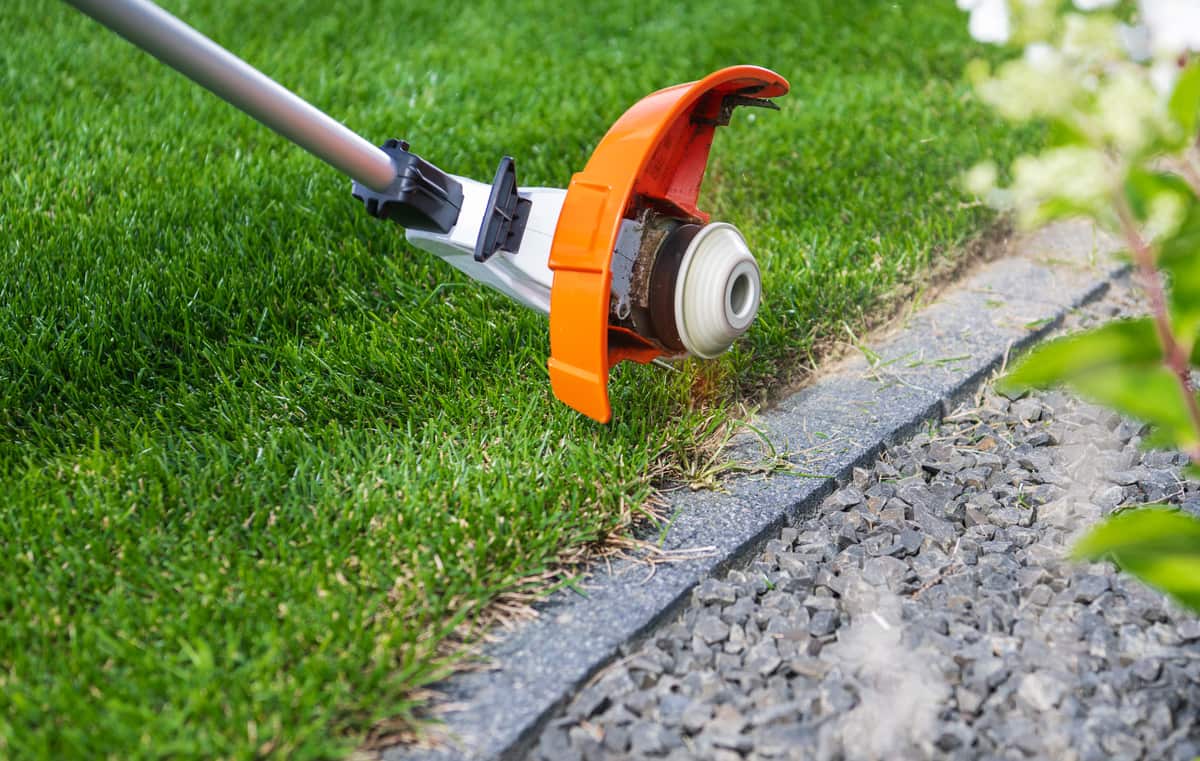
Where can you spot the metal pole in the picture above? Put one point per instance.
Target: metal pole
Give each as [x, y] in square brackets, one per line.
[183, 48]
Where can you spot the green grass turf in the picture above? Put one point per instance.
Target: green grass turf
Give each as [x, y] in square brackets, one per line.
[258, 456]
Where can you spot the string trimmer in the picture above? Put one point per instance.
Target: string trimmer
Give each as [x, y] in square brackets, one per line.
[623, 261]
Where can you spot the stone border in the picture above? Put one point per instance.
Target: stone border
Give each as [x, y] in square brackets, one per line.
[921, 371]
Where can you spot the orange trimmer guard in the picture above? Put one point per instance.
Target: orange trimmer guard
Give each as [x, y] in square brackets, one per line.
[654, 155]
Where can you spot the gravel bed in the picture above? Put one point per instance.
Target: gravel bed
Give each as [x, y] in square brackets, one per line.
[928, 611]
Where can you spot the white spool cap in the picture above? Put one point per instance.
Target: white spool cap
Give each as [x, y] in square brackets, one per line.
[717, 290]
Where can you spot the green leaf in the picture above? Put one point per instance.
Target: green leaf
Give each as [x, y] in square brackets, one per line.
[1159, 546]
[1119, 365]
[1131, 530]
[1179, 256]
[1143, 188]
[1185, 99]
[1061, 132]
[1062, 360]
[1149, 393]
[1179, 252]
[1054, 209]
[1185, 243]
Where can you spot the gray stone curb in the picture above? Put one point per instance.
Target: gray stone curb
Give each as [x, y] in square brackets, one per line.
[917, 375]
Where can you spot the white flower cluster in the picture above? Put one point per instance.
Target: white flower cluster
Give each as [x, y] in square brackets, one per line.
[1172, 27]
[989, 19]
[1102, 84]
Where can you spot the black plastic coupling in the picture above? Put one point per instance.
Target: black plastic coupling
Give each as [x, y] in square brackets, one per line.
[505, 216]
[422, 197]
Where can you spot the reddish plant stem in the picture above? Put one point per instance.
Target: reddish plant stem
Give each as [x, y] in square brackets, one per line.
[1174, 356]
[1188, 162]
[1190, 173]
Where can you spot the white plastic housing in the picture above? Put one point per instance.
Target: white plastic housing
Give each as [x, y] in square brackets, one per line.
[717, 291]
[525, 275]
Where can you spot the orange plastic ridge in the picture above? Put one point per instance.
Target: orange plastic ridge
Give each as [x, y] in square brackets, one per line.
[657, 150]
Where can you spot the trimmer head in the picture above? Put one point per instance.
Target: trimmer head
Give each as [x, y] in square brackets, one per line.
[685, 287]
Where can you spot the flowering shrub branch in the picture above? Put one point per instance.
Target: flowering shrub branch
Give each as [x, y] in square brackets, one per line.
[1113, 83]
[1174, 356]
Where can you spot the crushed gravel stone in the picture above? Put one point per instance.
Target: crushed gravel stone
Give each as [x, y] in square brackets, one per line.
[928, 611]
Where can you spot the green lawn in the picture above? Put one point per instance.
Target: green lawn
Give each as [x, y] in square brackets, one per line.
[258, 456]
